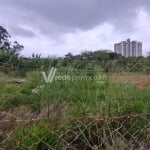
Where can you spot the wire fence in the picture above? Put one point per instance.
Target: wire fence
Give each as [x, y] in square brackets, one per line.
[123, 132]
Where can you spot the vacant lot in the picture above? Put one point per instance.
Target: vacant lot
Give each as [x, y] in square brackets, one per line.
[79, 114]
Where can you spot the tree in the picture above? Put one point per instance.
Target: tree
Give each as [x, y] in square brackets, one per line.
[69, 56]
[6, 44]
[113, 56]
[4, 39]
[16, 47]
[9, 52]
[87, 55]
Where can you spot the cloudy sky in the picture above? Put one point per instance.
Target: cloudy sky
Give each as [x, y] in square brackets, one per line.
[56, 27]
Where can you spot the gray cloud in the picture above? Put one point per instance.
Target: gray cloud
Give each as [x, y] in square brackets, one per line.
[56, 18]
[21, 31]
[67, 15]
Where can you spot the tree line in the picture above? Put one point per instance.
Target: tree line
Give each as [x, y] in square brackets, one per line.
[11, 60]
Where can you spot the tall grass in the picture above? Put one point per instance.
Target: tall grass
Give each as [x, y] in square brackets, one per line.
[70, 100]
[83, 96]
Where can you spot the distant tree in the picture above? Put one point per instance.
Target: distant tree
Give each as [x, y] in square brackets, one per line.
[87, 55]
[4, 39]
[16, 47]
[113, 56]
[68, 59]
[6, 44]
[9, 52]
[101, 55]
[69, 56]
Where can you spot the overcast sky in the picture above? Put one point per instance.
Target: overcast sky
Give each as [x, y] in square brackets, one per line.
[56, 27]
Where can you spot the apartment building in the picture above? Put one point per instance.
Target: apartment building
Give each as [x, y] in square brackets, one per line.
[148, 54]
[128, 48]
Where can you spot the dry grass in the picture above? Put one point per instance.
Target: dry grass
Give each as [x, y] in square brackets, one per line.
[140, 80]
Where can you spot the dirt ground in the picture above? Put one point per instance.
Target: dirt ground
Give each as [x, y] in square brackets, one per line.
[140, 80]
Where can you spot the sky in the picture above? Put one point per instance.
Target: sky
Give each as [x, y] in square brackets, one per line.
[56, 27]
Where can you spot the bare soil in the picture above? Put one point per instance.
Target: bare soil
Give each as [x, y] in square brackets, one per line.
[140, 80]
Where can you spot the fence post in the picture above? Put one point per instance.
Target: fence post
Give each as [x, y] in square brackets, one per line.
[109, 108]
[48, 113]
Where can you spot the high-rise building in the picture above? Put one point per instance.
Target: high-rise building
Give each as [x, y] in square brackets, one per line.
[128, 48]
[148, 54]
